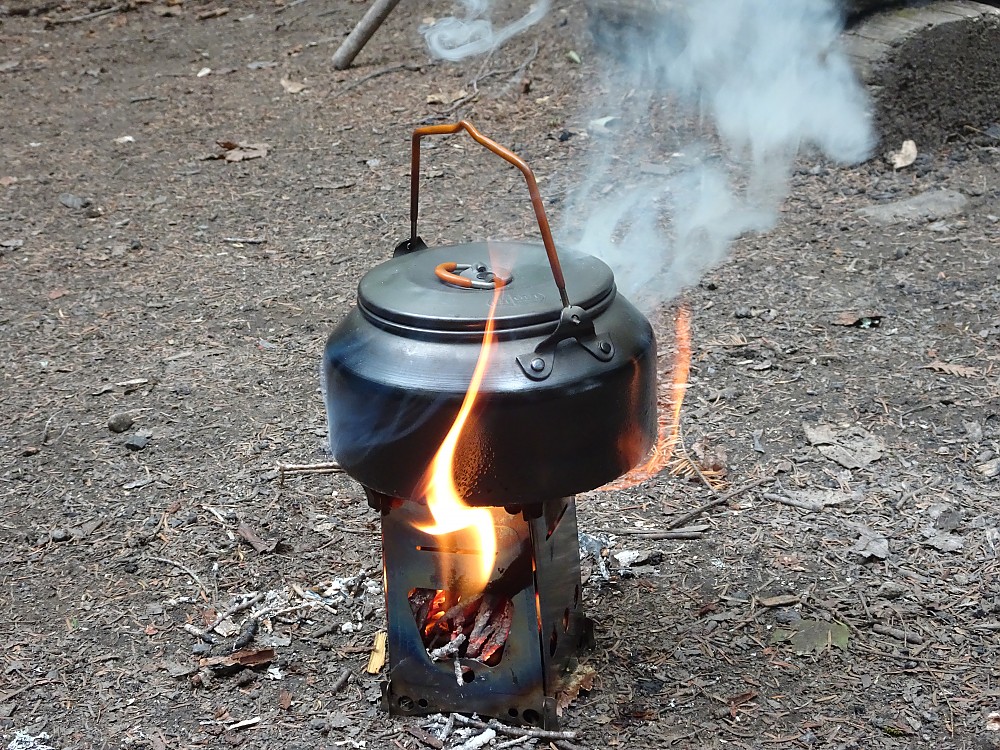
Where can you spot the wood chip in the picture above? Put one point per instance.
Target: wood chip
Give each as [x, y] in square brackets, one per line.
[376, 659]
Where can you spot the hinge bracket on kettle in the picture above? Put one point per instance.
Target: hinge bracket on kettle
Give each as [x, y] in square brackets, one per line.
[574, 323]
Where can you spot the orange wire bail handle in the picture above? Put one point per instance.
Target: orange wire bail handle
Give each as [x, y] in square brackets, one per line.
[476, 276]
[447, 274]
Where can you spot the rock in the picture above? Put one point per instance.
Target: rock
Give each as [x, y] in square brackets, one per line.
[120, 422]
[928, 206]
[137, 442]
[59, 535]
[73, 201]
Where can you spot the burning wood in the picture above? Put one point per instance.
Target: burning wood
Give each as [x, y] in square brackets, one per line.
[477, 628]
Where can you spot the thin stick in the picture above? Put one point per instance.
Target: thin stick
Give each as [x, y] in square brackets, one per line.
[87, 16]
[902, 635]
[323, 467]
[246, 240]
[375, 74]
[367, 26]
[793, 502]
[185, 568]
[342, 680]
[721, 500]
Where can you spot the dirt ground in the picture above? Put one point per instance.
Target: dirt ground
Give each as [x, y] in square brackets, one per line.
[845, 375]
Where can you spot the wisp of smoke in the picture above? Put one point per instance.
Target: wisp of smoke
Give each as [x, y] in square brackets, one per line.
[457, 38]
[743, 86]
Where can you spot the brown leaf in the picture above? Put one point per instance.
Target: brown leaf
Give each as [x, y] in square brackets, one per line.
[581, 680]
[285, 700]
[947, 368]
[57, 293]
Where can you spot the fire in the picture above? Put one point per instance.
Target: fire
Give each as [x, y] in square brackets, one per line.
[669, 421]
[451, 514]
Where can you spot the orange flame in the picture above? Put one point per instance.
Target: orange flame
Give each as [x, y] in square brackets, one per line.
[444, 501]
[669, 420]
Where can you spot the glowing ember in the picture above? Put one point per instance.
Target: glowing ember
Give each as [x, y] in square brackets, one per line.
[451, 514]
[669, 420]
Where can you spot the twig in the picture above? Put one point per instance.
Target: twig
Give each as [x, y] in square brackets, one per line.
[721, 500]
[807, 505]
[542, 734]
[185, 568]
[898, 634]
[511, 743]
[246, 240]
[688, 532]
[489, 74]
[87, 16]
[341, 682]
[448, 727]
[292, 4]
[375, 74]
[323, 467]
[488, 735]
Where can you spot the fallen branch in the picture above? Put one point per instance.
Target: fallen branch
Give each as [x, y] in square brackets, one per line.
[86, 16]
[900, 635]
[359, 36]
[185, 568]
[375, 74]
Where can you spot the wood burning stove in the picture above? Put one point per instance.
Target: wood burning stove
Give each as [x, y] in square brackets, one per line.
[473, 391]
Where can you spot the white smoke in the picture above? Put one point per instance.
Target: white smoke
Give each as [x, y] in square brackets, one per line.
[457, 38]
[711, 112]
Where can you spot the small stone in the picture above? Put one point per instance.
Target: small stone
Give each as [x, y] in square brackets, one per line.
[59, 535]
[743, 312]
[73, 201]
[30, 450]
[120, 422]
[137, 442]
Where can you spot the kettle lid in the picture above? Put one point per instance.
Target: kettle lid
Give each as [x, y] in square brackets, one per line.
[411, 291]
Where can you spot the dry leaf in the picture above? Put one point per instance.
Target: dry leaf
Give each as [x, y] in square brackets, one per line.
[581, 680]
[57, 293]
[285, 700]
[241, 151]
[947, 368]
[7, 181]
[851, 447]
[251, 536]
[292, 87]
[993, 721]
[906, 155]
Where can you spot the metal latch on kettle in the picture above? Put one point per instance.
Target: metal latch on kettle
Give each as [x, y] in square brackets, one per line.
[574, 323]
